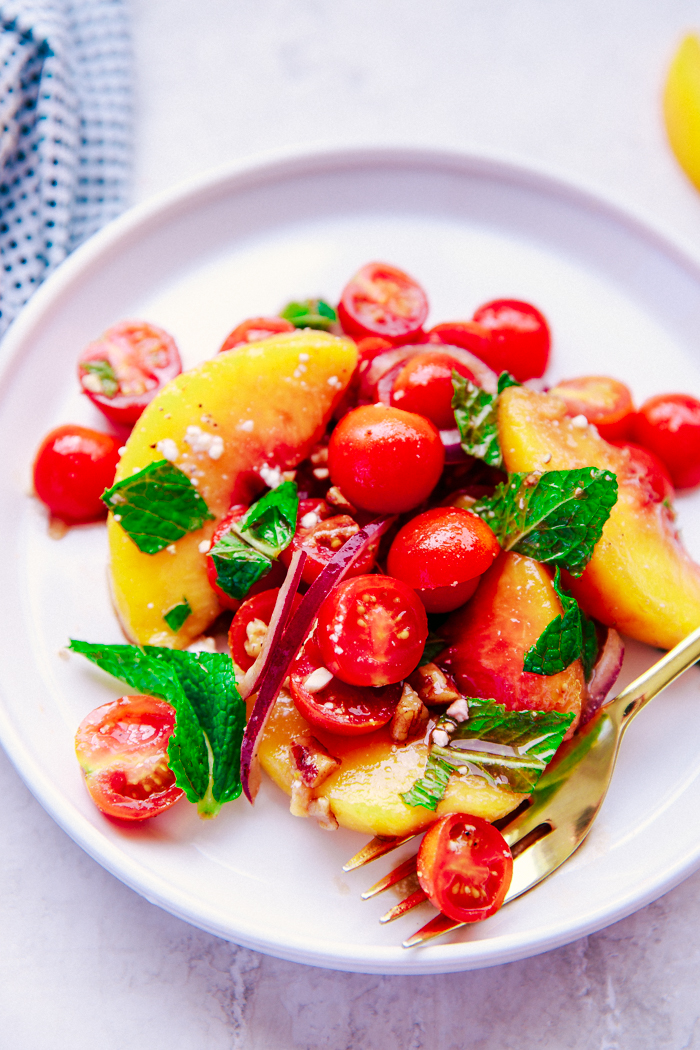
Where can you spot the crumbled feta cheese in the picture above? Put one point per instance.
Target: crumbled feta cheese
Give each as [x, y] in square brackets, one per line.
[202, 441]
[216, 448]
[122, 450]
[168, 449]
[272, 476]
[459, 710]
[334, 382]
[171, 549]
[92, 382]
[117, 517]
[303, 357]
[150, 605]
[246, 425]
[318, 680]
[579, 421]
[440, 738]
[204, 546]
[309, 520]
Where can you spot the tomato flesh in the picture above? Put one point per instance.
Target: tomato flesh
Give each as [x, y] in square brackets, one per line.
[669, 426]
[441, 553]
[122, 748]
[603, 401]
[424, 386]
[385, 460]
[371, 630]
[381, 300]
[255, 329]
[465, 867]
[520, 338]
[73, 467]
[123, 370]
[338, 707]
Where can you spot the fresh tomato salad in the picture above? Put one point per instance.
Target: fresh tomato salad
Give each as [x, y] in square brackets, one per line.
[424, 558]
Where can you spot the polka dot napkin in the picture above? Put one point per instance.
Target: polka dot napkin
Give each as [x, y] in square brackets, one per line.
[65, 133]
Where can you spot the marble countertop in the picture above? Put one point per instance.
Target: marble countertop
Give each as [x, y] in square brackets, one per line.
[85, 961]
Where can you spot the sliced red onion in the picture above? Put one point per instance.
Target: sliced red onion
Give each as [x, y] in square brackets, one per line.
[451, 440]
[604, 676]
[378, 381]
[278, 622]
[282, 653]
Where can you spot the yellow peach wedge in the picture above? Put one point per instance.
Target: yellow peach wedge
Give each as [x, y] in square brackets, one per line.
[681, 104]
[257, 408]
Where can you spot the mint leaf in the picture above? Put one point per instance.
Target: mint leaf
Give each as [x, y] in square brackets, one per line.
[589, 650]
[433, 647]
[109, 384]
[157, 506]
[556, 517]
[561, 642]
[476, 416]
[176, 616]
[238, 566]
[526, 741]
[270, 523]
[310, 313]
[204, 750]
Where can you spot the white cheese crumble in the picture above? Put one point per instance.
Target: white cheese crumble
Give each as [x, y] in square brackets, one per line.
[579, 421]
[168, 449]
[335, 382]
[309, 520]
[272, 476]
[246, 425]
[202, 441]
[171, 549]
[318, 680]
[204, 546]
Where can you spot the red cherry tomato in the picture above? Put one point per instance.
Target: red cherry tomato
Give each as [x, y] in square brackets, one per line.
[255, 329]
[520, 338]
[465, 867]
[385, 460]
[242, 639]
[669, 426]
[73, 467]
[441, 554]
[274, 577]
[321, 532]
[467, 334]
[651, 471]
[122, 748]
[424, 386]
[337, 707]
[126, 367]
[371, 630]
[603, 401]
[381, 300]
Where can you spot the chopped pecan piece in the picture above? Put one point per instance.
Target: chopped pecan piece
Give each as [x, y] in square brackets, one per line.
[410, 715]
[336, 497]
[256, 632]
[433, 685]
[311, 760]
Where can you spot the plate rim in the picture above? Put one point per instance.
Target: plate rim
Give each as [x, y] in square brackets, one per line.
[248, 172]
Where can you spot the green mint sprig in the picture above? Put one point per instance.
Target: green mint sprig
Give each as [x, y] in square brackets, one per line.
[204, 749]
[100, 367]
[476, 416]
[176, 616]
[310, 313]
[569, 636]
[157, 506]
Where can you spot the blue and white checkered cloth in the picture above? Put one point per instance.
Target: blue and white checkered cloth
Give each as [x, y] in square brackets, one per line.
[65, 133]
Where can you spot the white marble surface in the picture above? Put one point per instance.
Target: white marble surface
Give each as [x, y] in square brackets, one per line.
[85, 961]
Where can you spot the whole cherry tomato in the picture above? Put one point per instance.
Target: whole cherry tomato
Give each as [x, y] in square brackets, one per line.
[441, 554]
[603, 401]
[321, 532]
[335, 706]
[122, 748]
[255, 329]
[73, 467]
[424, 385]
[465, 867]
[274, 578]
[669, 426]
[247, 631]
[381, 300]
[651, 471]
[520, 338]
[123, 370]
[371, 630]
[385, 460]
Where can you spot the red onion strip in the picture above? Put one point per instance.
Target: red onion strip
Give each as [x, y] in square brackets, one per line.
[284, 652]
[278, 622]
[605, 672]
[454, 453]
[378, 380]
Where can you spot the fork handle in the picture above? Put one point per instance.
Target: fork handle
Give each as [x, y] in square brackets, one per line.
[665, 671]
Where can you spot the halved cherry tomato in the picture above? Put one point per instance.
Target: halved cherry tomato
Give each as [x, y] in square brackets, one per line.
[122, 748]
[73, 467]
[424, 386]
[650, 470]
[123, 370]
[321, 532]
[669, 426]
[441, 554]
[467, 334]
[371, 630]
[337, 707]
[385, 460]
[246, 633]
[274, 577]
[603, 401]
[520, 338]
[255, 329]
[381, 300]
[465, 867]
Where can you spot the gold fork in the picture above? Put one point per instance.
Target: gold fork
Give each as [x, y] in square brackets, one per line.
[554, 821]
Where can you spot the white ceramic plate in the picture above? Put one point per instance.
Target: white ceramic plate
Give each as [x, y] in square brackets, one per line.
[620, 299]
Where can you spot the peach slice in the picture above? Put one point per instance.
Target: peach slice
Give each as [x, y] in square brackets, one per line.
[258, 408]
[682, 107]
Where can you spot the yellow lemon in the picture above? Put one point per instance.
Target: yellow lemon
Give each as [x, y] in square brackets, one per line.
[682, 107]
